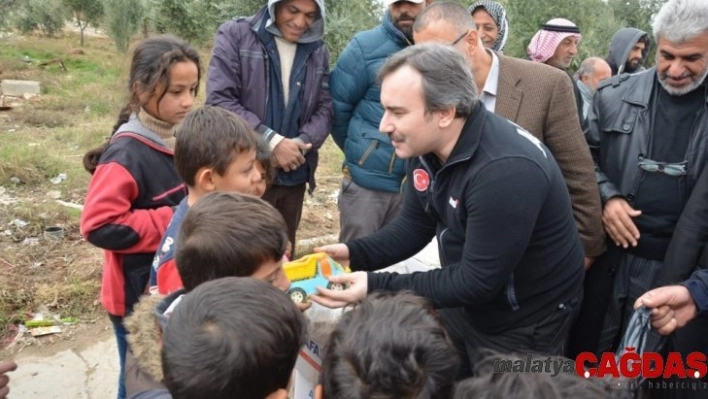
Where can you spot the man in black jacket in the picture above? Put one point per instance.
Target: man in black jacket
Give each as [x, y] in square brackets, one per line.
[512, 259]
[649, 137]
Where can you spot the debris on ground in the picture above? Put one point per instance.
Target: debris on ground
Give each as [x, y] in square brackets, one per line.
[58, 179]
[19, 88]
[19, 223]
[40, 331]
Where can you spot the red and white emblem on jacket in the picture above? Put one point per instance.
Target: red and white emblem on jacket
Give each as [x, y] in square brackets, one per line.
[421, 180]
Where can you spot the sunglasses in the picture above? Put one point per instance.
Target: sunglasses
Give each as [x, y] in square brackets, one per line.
[671, 169]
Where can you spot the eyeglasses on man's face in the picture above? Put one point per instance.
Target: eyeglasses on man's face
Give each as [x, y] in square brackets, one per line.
[459, 38]
[671, 169]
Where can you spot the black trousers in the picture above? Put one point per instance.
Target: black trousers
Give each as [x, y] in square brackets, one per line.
[547, 337]
[288, 201]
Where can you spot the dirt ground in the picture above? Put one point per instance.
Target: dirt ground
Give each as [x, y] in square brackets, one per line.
[44, 270]
[42, 184]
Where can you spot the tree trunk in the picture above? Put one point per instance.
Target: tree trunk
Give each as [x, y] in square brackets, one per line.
[82, 28]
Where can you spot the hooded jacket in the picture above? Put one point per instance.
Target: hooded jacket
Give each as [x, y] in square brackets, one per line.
[127, 209]
[621, 44]
[369, 155]
[242, 71]
[143, 364]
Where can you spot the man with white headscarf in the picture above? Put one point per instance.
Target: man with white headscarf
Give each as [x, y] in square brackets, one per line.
[556, 44]
[492, 23]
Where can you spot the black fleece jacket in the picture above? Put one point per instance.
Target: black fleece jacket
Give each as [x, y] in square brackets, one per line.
[500, 208]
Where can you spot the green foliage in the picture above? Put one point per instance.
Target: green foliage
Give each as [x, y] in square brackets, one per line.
[45, 15]
[193, 20]
[6, 12]
[197, 20]
[85, 12]
[595, 19]
[345, 19]
[124, 18]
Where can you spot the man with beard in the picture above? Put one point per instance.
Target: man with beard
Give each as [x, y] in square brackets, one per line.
[370, 194]
[556, 44]
[648, 133]
[629, 48]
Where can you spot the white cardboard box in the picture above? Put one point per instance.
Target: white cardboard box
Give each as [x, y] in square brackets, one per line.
[307, 371]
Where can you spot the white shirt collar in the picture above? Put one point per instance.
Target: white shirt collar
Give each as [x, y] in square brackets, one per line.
[488, 96]
[490, 86]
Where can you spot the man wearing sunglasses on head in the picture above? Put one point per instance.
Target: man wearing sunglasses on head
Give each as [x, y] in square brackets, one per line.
[648, 133]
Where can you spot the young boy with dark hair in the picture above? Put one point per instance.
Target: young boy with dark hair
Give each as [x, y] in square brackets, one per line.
[232, 338]
[227, 234]
[390, 346]
[222, 235]
[215, 150]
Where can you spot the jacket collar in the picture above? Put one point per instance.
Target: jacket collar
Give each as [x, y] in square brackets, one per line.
[469, 139]
[508, 95]
[640, 93]
[393, 31]
[258, 26]
[257, 20]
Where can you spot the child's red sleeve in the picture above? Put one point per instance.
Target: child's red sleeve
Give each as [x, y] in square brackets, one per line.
[108, 220]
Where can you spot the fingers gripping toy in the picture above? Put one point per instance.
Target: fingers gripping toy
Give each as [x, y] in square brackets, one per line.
[312, 271]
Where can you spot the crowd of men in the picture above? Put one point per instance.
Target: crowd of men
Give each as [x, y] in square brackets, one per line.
[618, 147]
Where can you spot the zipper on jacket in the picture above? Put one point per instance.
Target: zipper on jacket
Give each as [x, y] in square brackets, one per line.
[442, 246]
[267, 83]
[393, 161]
[431, 191]
[401, 190]
[367, 153]
[511, 294]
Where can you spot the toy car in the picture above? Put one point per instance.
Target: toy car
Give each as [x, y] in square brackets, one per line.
[312, 271]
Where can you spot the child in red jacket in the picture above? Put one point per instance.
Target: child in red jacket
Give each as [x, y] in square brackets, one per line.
[135, 186]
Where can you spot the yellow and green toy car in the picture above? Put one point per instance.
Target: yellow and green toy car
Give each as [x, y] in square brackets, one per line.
[312, 271]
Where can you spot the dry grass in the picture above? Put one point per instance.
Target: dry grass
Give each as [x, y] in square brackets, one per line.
[47, 135]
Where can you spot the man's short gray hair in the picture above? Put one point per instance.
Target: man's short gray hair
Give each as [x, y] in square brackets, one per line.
[587, 67]
[452, 13]
[681, 20]
[447, 79]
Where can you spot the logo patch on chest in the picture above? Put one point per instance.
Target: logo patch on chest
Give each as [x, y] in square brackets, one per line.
[453, 202]
[421, 180]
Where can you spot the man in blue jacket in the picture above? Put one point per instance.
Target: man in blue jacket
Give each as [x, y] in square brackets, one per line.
[272, 69]
[370, 194]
